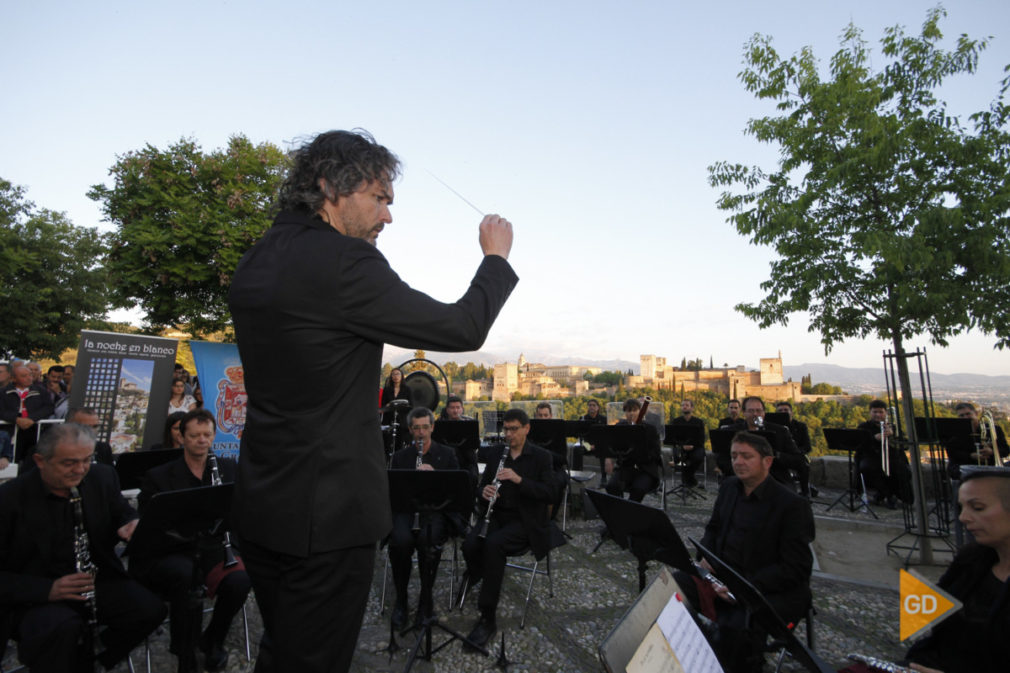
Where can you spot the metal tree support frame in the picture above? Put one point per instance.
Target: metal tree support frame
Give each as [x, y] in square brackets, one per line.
[921, 524]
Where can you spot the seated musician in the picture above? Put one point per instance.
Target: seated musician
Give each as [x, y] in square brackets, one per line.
[172, 575]
[691, 457]
[801, 437]
[593, 414]
[969, 450]
[636, 474]
[974, 639]
[787, 454]
[732, 414]
[435, 527]
[518, 519]
[888, 487]
[42, 594]
[763, 530]
[454, 409]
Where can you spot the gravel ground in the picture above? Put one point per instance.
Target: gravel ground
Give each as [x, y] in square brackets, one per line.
[591, 593]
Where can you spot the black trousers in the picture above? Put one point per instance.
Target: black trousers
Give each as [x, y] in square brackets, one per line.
[636, 482]
[692, 461]
[312, 606]
[49, 635]
[428, 541]
[486, 558]
[172, 577]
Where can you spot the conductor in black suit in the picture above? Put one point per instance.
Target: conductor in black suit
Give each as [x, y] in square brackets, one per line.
[763, 530]
[434, 527]
[314, 296]
[41, 600]
[171, 575]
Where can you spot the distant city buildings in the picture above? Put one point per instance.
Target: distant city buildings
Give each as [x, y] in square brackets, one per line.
[733, 382]
[559, 381]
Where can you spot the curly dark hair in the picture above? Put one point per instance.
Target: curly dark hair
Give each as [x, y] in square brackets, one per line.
[343, 160]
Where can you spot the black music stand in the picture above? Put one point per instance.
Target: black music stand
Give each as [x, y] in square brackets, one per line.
[760, 610]
[132, 465]
[625, 442]
[177, 522]
[493, 418]
[777, 418]
[427, 492]
[842, 439]
[722, 442]
[645, 531]
[464, 438]
[679, 435]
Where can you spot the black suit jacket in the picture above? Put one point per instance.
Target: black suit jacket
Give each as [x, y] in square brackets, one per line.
[312, 309]
[175, 476]
[26, 554]
[439, 456]
[778, 560]
[536, 492]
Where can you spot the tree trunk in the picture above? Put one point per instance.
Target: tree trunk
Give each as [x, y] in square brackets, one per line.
[918, 488]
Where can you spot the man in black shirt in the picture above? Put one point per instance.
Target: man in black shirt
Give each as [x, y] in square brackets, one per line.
[763, 531]
[969, 450]
[733, 411]
[869, 459]
[637, 473]
[787, 456]
[691, 456]
[42, 594]
[801, 436]
[519, 518]
[434, 527]
[172, 574]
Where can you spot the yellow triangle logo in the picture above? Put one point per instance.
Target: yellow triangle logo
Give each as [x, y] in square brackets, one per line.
[922, 604]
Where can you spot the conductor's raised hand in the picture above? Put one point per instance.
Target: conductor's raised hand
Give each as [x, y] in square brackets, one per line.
[496, 236]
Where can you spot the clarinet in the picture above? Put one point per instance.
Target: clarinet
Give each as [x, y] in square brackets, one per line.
[215, 480]
[84, 564]
[420, 461]
[875, 664]
[494, 498]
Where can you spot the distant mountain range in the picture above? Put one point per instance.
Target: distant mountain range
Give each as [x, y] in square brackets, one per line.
[990, 390]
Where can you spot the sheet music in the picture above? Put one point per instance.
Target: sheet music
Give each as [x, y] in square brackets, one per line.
[654, 655]
[685, 639]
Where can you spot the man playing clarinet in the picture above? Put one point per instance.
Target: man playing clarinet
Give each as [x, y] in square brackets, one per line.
[518, 487]
[172, 575]
[46, 600]
[433, 528]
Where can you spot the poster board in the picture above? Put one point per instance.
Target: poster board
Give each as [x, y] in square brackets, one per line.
[126, 379]
[222, 382]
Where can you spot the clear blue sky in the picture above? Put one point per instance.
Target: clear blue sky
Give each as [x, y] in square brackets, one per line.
[588, 124]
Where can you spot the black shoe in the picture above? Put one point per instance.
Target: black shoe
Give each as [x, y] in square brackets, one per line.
[692, 484]
[399, 618]
[879, 499]
[814, 492]
[482, 632]
[215, 657]
[892, 502]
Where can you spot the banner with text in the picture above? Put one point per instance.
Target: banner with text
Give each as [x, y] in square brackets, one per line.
[222, 382]
[127, 380]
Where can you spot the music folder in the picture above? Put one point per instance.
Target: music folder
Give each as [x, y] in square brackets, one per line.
[173, 520]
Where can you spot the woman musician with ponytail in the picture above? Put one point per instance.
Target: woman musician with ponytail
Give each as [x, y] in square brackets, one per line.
[973, 639]
[638, 472]
[173, 575]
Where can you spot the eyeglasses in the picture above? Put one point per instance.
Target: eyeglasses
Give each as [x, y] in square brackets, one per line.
[511, 428]
[426, 426]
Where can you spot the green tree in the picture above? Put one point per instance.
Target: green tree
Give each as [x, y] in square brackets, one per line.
[52, 282]
[183, 220]
[888, 213]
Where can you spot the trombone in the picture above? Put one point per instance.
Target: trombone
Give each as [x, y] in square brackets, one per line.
[987, 437]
